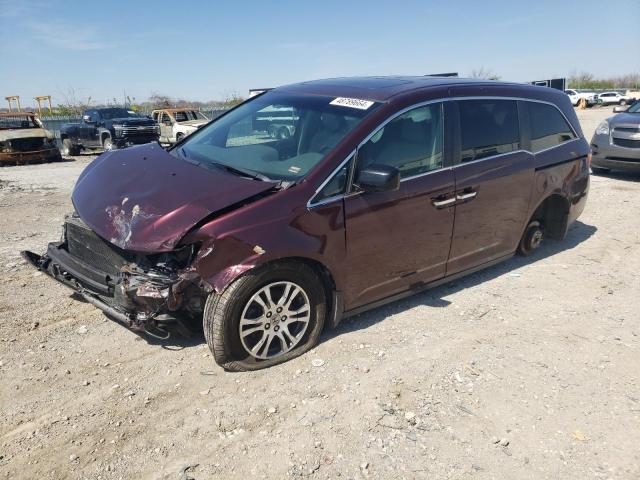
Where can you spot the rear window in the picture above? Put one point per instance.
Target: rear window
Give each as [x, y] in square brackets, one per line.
[549, 128]
[488, 127]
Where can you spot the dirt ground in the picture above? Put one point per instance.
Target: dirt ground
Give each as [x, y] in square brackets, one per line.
[527, 370]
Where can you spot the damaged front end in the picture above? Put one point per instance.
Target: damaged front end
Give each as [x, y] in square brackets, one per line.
[155, 293]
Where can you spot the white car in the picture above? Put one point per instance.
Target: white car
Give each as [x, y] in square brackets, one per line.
[576, 96]
[177, 123]
[615, 98]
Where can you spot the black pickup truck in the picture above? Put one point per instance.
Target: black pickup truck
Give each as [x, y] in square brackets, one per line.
[108, 128]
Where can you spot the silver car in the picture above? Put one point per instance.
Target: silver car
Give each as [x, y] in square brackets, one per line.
[616, 141]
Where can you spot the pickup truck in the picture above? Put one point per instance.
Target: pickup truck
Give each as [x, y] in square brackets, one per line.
[177, 123]
[589, 97]
[107, 128]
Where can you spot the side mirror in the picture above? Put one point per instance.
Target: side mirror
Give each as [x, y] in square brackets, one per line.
[87, 119]
[619, 109]
[379, 178]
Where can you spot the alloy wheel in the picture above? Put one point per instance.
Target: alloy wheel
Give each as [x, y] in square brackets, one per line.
[274, 320]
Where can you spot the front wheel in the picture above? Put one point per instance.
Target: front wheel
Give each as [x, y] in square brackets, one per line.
[265, 317]
[107, 144]
[531, 240]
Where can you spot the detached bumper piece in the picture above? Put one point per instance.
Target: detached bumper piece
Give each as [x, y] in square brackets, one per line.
[148, 300]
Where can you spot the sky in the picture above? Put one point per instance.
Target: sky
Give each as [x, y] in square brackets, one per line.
[203, 50]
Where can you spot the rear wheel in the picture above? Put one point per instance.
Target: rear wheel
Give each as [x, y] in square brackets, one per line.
[265, 317]
[532, 239]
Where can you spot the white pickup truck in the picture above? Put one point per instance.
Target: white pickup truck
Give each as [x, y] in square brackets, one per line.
[177, 123]
[576, 96]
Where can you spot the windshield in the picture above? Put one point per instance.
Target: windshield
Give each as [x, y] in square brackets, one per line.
[188, 115]
[279, 136]
[11, 122]
[111, 113]
[635, 108]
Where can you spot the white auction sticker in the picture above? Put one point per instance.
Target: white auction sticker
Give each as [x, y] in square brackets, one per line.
[352, 102]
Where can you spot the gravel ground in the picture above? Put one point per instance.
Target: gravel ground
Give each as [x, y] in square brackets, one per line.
[527, 370]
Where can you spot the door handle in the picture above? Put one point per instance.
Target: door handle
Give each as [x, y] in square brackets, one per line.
[440, 202]
[466, 196]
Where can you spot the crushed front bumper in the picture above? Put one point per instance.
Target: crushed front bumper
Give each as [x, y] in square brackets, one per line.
[150, 301]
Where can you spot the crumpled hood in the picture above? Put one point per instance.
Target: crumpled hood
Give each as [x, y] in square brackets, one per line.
[144, 199]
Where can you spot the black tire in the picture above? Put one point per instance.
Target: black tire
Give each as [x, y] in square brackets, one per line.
[531, 239]
[68, 148]
[222, 313]
[107, 144]
[599, 170]
[179, 137]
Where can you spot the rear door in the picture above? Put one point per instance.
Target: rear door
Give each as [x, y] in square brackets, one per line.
[493, 182]
[401, 238]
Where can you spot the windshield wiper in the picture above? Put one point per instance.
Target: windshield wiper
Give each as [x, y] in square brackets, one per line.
[242, 172]
[235, 170]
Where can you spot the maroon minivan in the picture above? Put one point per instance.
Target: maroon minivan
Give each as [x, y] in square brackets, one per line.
[316, 201]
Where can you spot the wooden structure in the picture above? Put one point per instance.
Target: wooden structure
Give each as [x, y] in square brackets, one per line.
[11, 99]
[43, 98]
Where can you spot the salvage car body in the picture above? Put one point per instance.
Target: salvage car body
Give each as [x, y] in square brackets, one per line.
[24, 139]
[153, 234]
[616, 141]
[178, 123]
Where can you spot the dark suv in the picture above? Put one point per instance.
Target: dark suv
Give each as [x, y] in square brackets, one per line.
[108, 128]
[385, 187]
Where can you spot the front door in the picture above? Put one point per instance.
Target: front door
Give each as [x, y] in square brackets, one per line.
[399, 239]
[494, 179]
[88, 132]
[166, 128]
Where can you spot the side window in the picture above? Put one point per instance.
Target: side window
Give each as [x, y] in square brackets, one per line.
[548, 127]
[336, 186]
[166, 119]
[411, 142]
[487, 128]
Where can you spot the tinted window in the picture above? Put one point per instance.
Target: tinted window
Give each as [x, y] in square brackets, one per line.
[548, 127]
[411, 142]
[488, 127]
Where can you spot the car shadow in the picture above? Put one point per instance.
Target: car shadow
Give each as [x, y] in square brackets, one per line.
[578, 233]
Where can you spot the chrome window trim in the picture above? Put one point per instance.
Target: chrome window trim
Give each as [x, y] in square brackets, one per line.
[310, 203]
